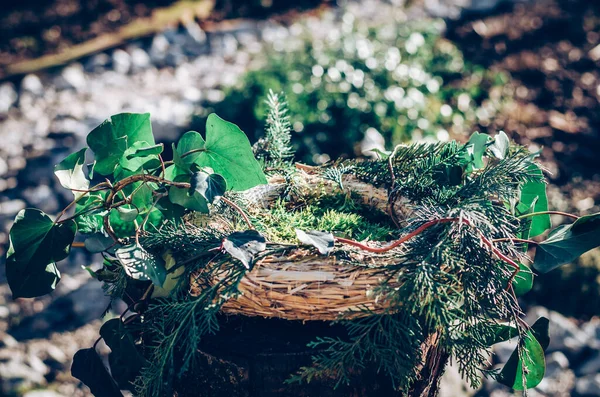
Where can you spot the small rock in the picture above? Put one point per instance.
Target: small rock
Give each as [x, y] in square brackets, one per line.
[121, 61]
[588, 386]
[16, 374]
[11, 207]
[555, 363]
[3, 167]
[139, 59]
[72, 77]
[590, 366]
[8, 96]
[6, 340]
[158, 49]
[42, 393]
[32, 83]
[55, 354]
[97, 63]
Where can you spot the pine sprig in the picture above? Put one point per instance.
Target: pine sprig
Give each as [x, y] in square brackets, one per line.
[275, 148]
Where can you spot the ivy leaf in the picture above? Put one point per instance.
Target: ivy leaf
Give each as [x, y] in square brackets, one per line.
[226, 150]
[183, 154]
[70, 173]
[323, 241]
[208, 185]
[127, 214]
[476, 149]
[541, 331]
[195, 202]
[244, 246]
[500, 146]
[535, 193]
[567, 242]
[140, 156]
[36, 244]
[114, 136]
[139, 264]
[125, 360]
[523, 282]
[88, 368]
[526, 366]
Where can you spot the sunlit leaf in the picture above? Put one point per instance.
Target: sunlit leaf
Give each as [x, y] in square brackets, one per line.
[113, 137]
[139, 264]
[535, 192]
[500, 146]
[476, 148]
[244, 246]
[226, 150]
[323, 241]
[70, 173]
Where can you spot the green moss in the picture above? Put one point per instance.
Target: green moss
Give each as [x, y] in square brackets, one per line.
[336, 214]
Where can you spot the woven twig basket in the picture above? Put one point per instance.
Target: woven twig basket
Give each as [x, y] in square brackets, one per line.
[301, 284]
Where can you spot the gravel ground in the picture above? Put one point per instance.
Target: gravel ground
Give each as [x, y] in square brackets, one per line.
[173, 75]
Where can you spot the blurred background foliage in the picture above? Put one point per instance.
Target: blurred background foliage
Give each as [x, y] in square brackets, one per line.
[398, 80]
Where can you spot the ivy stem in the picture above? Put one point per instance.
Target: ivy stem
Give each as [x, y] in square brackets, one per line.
[78, 244]
[72, 203]
[549, 213]
[192, 152]
[239, 210]
[137, 178]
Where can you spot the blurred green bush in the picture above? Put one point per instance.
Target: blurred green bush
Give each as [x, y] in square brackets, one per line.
[400, 78]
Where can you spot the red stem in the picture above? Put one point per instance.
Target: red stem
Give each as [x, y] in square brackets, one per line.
[427, 225]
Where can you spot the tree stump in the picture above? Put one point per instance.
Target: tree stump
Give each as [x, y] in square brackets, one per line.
[253, 357]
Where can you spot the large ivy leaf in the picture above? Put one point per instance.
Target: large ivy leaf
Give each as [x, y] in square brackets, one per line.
[526, 366]
[139, 264]
[36, 244]
[88, 368]
[125, 360]
[245, 245]
[534, 193]
[208, 185]
[114, 136]
[567, 242]
[226, 150]
[523, 282]
[323, 241]
[70, 172]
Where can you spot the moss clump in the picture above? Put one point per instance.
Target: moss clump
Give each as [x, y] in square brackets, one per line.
[337, 214]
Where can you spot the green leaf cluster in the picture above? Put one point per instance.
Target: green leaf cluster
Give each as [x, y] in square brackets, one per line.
[139, 192]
